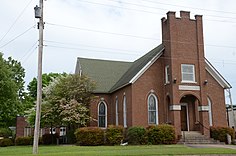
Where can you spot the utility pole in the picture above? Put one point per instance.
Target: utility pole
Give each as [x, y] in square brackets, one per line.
[39, 14]
[232, 108]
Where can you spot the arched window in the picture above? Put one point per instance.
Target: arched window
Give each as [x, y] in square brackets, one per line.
[102, 115]
[117, 115]
[210, 111]
[152, 109]
[124, 112]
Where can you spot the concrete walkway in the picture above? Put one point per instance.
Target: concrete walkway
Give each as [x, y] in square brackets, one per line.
[211, 146]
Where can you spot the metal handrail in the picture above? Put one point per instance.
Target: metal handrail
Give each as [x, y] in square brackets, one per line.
[203, 125]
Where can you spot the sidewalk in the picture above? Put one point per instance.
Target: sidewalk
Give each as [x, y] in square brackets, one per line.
[211, 146]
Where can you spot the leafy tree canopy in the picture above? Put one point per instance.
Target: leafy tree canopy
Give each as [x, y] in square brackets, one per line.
[11, 86]
[66, 102]
[46, 79]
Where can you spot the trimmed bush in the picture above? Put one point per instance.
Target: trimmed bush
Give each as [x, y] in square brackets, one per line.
[24, 141]
[6, 142]
[220, 133]
[161, 134]
[89, 136]
[114, 135]
[49, 139]
[70, 134]
[5, 132]
[137, 136]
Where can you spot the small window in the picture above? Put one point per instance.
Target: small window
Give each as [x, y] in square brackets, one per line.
[210, 111]
[152, 109]
[117, 112]
[124, 112]
[188, 73]
[102, 115]
[167, 74]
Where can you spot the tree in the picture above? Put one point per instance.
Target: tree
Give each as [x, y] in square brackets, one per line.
[46, 80]
[17, 74]
[68, 99]
[9, 103]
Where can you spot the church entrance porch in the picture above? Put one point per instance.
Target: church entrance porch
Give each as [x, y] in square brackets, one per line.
[189, 115]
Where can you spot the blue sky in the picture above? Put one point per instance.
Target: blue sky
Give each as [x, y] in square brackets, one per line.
[110, 29]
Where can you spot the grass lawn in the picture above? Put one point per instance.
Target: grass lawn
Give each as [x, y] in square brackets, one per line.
[112, 150]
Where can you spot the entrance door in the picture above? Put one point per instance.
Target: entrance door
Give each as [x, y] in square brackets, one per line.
[184, 118]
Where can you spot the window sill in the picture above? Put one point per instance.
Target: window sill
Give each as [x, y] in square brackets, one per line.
[193, 82]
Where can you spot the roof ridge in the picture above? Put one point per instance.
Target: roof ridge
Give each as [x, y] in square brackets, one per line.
[105, 60]
[136, 66]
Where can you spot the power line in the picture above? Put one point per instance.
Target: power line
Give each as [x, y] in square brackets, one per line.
[85, 45]
[33, 47]
[18, 17]
[151, 7]
[17, 37]
[99, 31]
[212, 20]
[85, 49]
[101, 4]
[128, 53]
[142, 37]
[227, 12]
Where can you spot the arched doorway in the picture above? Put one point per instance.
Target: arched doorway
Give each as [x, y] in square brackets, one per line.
[189, 113]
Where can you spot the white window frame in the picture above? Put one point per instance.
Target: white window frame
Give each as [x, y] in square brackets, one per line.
[156, 111]
[167, 74]
[105, 114]
[124, 112]
[62, 131]
[193, 74]
[117, 112]
[210, 111]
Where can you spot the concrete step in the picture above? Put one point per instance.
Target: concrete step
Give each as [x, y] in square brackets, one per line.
[194, 137]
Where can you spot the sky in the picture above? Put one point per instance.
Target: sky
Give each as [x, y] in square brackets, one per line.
[120, 30]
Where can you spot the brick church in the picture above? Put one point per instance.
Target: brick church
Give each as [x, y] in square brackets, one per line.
[173, 83]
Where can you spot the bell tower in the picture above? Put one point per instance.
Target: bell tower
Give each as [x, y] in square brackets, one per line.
[184, 58]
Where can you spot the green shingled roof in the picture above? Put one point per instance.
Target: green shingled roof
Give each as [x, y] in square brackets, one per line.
[104, 72]
[136, 67]
[112, 75]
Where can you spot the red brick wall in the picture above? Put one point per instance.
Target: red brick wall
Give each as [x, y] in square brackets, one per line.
[216, 94]
[183, 40]
[20, 125]
[94, 108]
[151, 81]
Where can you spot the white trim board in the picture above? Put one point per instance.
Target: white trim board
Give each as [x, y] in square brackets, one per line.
[145, 68]
[185, 87]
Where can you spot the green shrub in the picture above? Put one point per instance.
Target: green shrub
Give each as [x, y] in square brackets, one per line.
[136, 136]
[114, 135]
[70, 134]
[161, 134]
[220, 133]
[24, 140]
[48, 139]
[89, 136]
[6, 142]
[5, 132]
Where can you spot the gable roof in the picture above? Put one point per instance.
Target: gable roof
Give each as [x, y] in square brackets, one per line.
[138, 68]
[104, 72]
[113, 75]
[216, 75]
